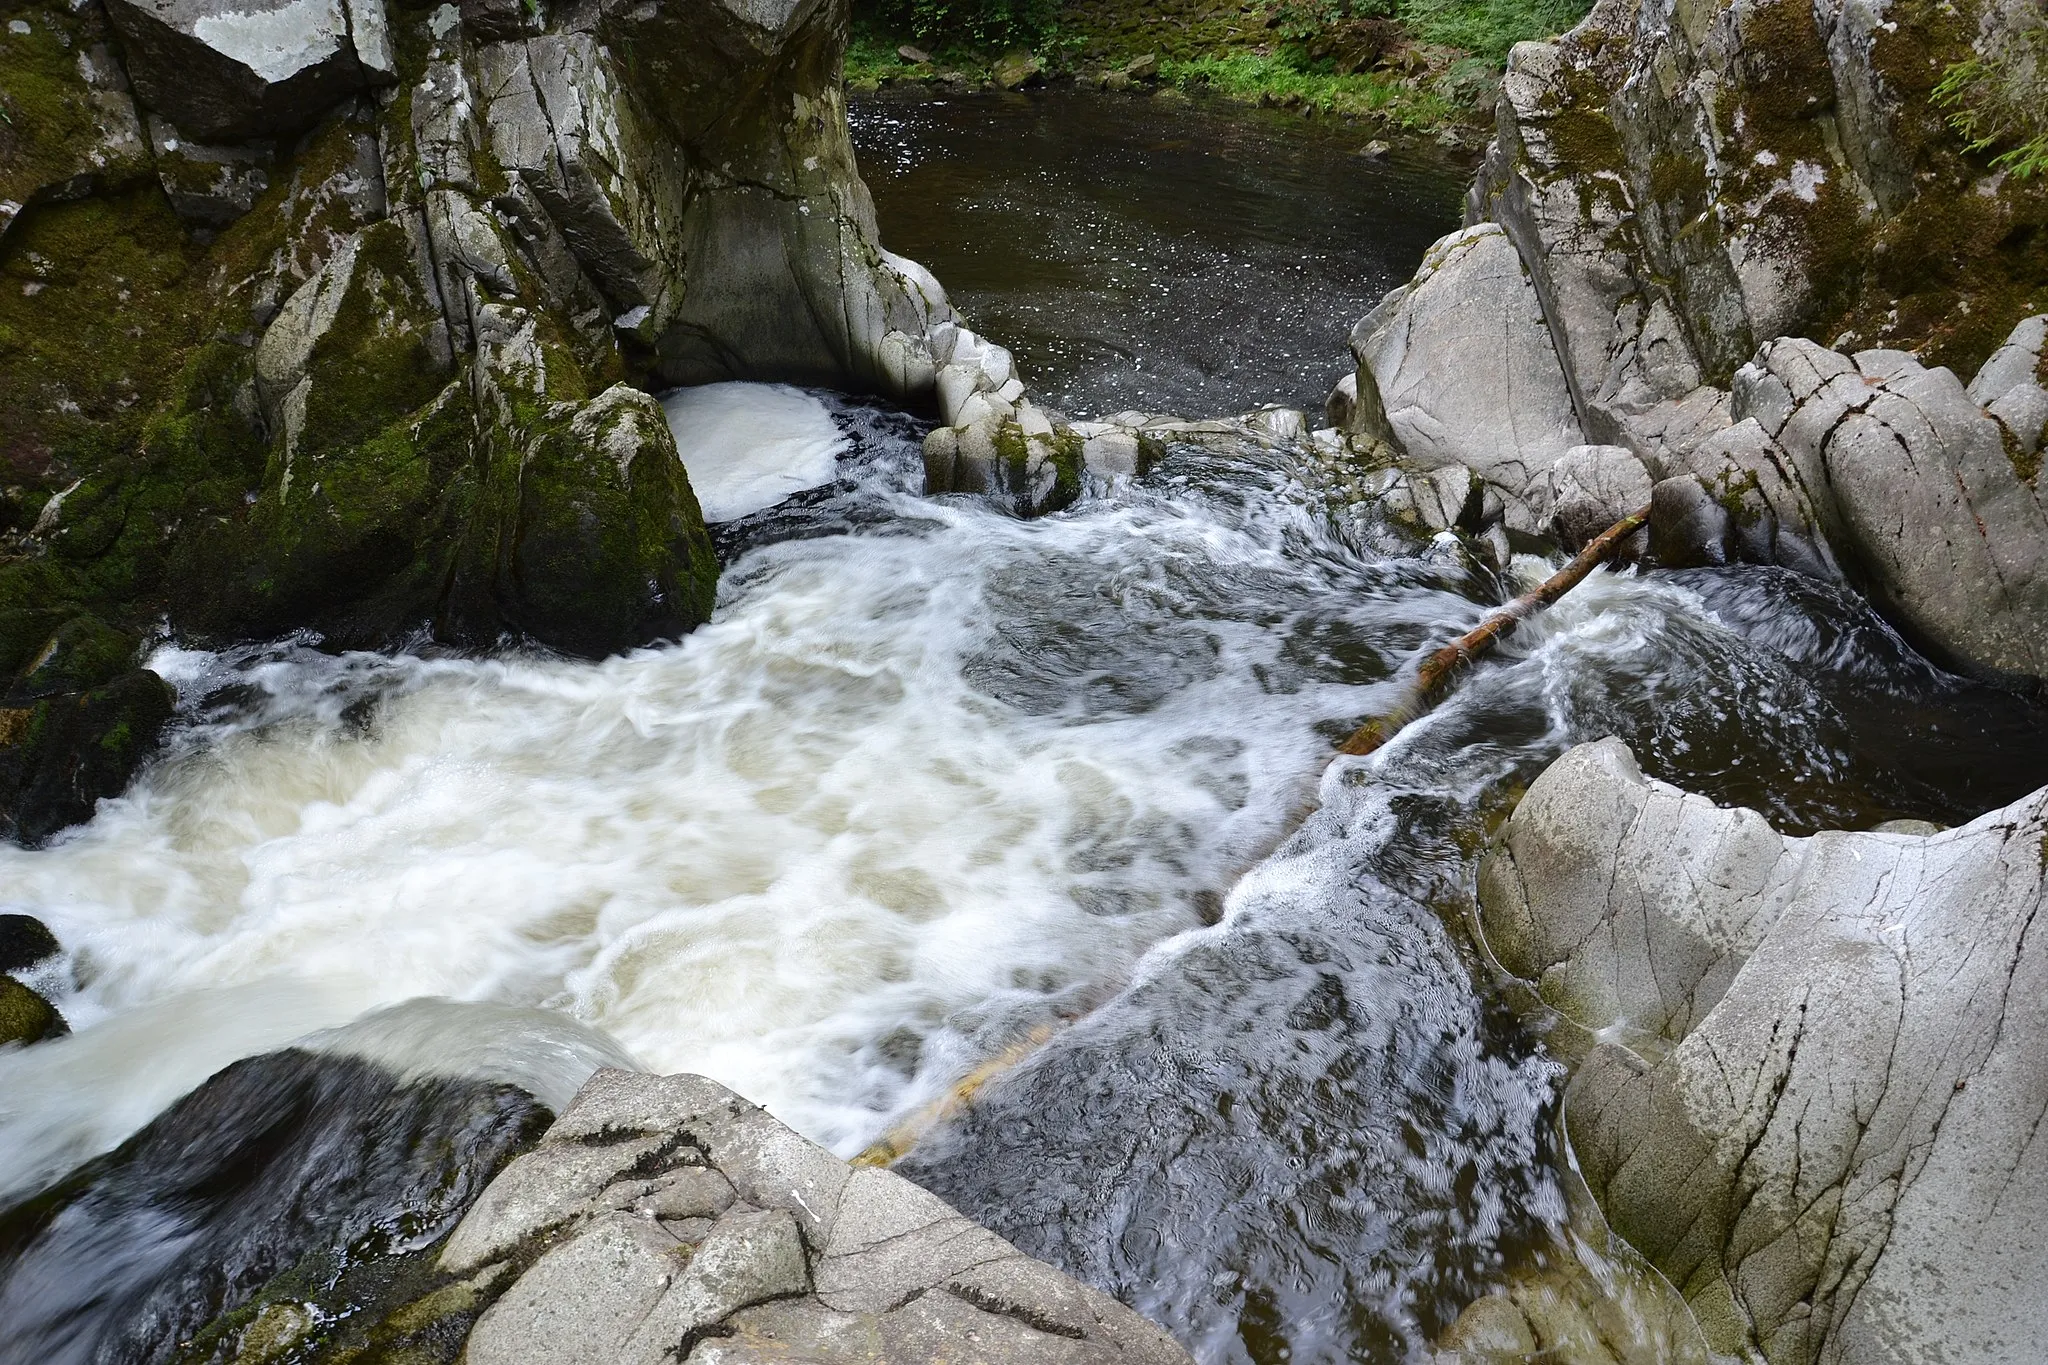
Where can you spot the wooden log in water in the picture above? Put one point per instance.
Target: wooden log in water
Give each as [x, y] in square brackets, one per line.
[1431, 677]
[1440, 667]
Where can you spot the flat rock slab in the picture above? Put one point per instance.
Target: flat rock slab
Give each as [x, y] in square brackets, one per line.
[664, 1218]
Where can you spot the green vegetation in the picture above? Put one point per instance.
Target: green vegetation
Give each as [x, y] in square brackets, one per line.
[2001, 101]
[1489, 28]
[1285, 79]
[985, 25]
[1413, 65]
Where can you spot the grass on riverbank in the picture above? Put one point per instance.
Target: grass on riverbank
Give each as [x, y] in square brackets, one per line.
[1438, 73]
[1275, 78]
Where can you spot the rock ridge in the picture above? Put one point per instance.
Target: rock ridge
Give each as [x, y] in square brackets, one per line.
[665, 1218]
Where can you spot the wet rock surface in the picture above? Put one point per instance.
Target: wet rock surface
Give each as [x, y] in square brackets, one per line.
[1807, 1086]
[290, 1192]
[665, 1218]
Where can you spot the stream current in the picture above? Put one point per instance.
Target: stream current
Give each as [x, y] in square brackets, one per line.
[933, 782]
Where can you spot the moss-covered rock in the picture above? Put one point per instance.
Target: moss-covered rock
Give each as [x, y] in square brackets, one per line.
[67, 124]
[609, 543]
[26, 1017]
[60, 754]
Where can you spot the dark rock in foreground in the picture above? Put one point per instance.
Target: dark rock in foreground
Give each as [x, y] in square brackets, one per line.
[289, 1187]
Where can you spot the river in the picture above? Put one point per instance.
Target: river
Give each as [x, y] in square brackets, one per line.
[935, 781]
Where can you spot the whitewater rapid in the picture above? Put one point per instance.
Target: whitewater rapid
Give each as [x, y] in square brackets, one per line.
[909, 794]
[935, 780]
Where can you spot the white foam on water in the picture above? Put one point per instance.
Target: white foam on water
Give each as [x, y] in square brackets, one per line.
[70, 1098]
[907, 795]
[750, 446]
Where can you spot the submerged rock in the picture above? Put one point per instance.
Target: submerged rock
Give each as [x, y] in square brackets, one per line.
[1808, 1080]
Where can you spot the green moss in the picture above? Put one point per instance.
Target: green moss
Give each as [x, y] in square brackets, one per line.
[81, 654]
[2025, 463]
[1954, 272]
[97, 298]
[1679, 182]
[49, 126]
[26, 1017]
[1489, 28]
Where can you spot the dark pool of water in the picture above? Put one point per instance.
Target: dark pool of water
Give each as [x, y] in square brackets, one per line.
[1141, 253]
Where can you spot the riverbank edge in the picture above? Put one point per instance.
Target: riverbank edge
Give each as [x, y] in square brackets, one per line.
[1419, 94]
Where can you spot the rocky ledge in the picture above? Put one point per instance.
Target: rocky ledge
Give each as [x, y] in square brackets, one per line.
[1733, 251]
[664, 1218]
[1807, 1076]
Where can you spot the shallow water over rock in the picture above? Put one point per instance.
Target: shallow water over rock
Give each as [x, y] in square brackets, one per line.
[1138, 253]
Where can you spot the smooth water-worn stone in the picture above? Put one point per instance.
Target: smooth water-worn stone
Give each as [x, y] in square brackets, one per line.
[785, 1253]
[1461, 372]
[254, 1204]
[1916, 483]
[1591, 488]
[1810, 1093]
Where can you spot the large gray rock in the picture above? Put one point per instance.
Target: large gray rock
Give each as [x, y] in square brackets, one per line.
[664, 1217]
[1809, 1086]
[1456, 369]
[1920, 488]
[233, 70]
[2012, 386]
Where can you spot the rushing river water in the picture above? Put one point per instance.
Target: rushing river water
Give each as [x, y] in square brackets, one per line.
[932, 782]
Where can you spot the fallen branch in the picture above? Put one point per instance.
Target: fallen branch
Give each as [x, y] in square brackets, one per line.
[1436, 671]
[1439, 668]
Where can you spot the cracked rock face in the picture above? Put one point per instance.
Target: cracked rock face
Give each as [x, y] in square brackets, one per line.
[664, 1218]
[1810, 1087]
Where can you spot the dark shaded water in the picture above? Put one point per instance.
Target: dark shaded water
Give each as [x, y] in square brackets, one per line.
[1138, 253]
